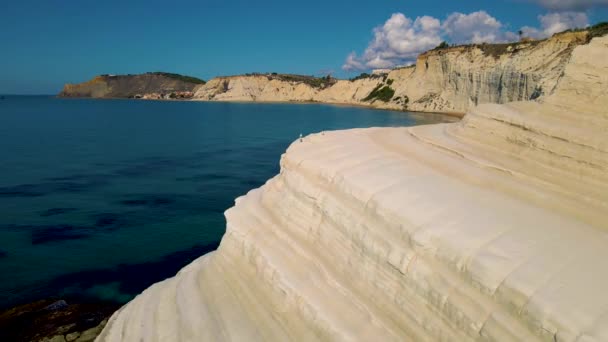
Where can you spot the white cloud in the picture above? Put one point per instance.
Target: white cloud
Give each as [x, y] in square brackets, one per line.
[476, 27]
[400, 40]
[352, 63]
[556, 22]
[569, 5]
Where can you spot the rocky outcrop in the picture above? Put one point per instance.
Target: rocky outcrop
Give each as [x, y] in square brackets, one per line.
[492, 228]
[154, 85]
[448, 80]
[55, 320]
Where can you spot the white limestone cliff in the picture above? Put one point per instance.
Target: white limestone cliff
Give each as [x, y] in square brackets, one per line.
[449, 80]
[493, 228]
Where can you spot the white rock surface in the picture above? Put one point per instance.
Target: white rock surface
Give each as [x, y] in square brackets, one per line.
[493, 228]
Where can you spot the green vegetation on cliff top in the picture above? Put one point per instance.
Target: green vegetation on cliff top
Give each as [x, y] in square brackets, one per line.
[366, 75]
[315, 82]
[597, 30]
[498, 49]
[179, 77]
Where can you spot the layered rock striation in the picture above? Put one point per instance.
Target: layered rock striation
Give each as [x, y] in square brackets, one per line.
[448, 80]
[152, 85]
[493, 228]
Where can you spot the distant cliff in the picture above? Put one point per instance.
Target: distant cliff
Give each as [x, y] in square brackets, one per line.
[152, 85]
[452, 79]
[446, 80]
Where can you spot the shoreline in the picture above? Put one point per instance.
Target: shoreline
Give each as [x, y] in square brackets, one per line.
[451, 114]
[458, 115]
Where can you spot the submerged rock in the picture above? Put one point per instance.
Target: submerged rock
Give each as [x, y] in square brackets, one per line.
[55, 320]
[57, 211]
[58, 305]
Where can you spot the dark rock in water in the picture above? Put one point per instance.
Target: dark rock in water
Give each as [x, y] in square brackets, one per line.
[161, 201]
[35, 322]
[149, 201]
[75, 184]
[58, 305]
[56, 211]
[105, 220]
[3, 254]
[134, 202]
[132, 278]
[205, 177]
[111, 221]
[23, 190]
[60, 232]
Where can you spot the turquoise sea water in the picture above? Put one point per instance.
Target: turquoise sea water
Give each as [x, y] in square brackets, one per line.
[102, 198]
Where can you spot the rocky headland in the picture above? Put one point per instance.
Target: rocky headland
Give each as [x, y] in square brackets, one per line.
[152, 85]
[492, 228]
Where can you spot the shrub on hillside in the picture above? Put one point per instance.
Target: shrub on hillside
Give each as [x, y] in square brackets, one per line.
[443, 45]
[382, 92]
[182, 78]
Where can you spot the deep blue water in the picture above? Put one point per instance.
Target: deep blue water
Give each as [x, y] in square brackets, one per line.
[101, 198]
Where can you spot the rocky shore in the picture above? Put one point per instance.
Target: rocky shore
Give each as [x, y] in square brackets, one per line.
[175, 95]
[55, 320]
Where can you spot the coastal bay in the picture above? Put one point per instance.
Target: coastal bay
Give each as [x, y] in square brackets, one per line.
[124, 187]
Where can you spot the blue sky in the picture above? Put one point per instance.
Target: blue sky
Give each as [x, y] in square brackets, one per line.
[48, 43]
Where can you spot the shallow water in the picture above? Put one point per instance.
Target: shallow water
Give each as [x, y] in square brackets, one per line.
[102, 198]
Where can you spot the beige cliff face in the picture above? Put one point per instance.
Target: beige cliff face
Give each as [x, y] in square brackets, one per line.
[493, 228]
[260, 88]
[348, 92]
[254, 88]
[97, 88]
[457, 79]
[449, 81]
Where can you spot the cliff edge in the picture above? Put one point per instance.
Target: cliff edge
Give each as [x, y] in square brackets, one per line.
[493, 228]
[152, 85]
